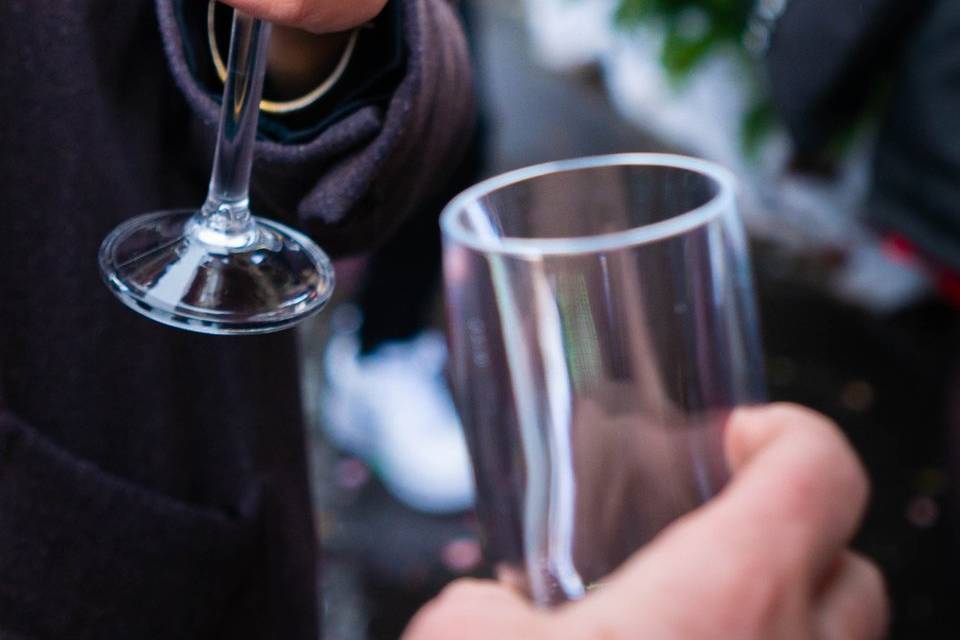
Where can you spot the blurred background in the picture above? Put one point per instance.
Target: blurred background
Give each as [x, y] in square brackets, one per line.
[858, 303]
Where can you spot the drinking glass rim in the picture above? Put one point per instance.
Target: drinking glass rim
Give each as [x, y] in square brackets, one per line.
[454, 228]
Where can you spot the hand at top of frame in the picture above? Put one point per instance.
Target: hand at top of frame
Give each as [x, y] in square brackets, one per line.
[768, 559]
[309, 36]
[317, 16]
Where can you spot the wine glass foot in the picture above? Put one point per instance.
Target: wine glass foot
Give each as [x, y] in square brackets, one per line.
[161, 266]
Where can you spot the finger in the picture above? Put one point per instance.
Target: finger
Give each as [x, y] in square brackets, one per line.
[318, 16]
[755, 552]
[478, 610]
[796, 498]
[795, 476]
[853, 604]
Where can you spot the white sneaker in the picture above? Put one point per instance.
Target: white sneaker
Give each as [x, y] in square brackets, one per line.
[392, 409]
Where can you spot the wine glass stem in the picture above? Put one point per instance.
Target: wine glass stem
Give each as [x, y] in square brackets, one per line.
[226, 209]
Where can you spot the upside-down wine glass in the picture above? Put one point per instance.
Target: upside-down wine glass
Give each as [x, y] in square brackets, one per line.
[219, 269]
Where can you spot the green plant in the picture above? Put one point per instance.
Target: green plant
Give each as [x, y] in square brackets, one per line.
[692, 28]
[692, 31]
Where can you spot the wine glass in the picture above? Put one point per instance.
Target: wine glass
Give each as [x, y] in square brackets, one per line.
[219, 269]
[602, 326]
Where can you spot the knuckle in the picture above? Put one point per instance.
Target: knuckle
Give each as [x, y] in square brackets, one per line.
[786, 413]
[857, 481]
[791, 411]
[842, 472]
[873, 591]
[754, 592]
[860, 610]
[804, 420]
[769, 592]
[829, 470]
[757, 427]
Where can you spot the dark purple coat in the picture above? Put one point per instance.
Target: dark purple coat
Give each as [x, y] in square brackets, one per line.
[152, 482]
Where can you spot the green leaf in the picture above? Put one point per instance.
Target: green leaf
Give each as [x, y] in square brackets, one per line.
[680, 56]
[758, 121]
[681, 53]
[631, 13]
